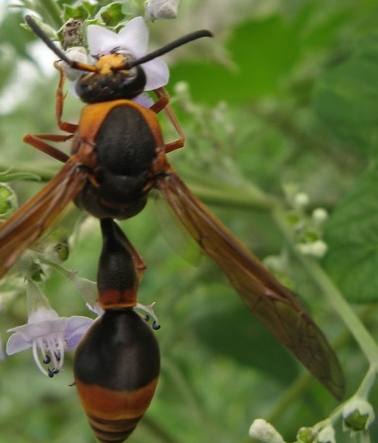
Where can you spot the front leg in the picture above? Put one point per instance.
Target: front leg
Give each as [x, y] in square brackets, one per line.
[163, 104]
[59, 101]
[37, 141]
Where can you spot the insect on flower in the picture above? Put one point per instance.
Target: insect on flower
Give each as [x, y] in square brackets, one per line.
[118, 156]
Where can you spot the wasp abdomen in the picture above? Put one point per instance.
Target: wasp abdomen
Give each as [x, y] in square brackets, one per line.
[116, 371]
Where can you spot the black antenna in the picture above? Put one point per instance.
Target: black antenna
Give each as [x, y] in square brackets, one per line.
[170, 46]
[39, 33]
[128, 65]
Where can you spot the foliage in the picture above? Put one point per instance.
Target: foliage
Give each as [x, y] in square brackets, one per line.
[283, 101]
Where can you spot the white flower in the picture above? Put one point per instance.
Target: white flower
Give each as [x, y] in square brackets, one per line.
[319, 216]
[327, 435]
[301, 200]
[49, 336]
[132, 39]
[316, 249]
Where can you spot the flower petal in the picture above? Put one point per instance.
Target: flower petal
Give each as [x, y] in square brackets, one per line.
[41, 314]
[145, 101]
[35, 329]
[77, 326]
[101, 40]
[17, 343]
[157, 74]
[134, 36]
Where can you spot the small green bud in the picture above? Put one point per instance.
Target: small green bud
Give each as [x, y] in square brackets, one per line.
[62, 251]
[358, 414]
[36, 273]
[8, 201]
[306, 435]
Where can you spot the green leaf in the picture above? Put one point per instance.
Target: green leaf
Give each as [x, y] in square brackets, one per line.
[352, 237]
[263, 52]
[9, 176]
[346, 98]
[112, 14]
[83, 10]
[266, 52]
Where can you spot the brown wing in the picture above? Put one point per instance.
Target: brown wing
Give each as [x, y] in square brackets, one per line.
[273, 304]
[30, 221]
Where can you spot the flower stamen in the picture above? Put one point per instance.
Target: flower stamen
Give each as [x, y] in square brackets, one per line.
[149, 312]
[46, 333]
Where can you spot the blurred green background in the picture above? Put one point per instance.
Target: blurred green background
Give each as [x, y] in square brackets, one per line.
[285, 94]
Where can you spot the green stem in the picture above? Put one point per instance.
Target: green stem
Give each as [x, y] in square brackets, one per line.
[233, 197]
[366, 384]
[367, 344]
[364, 437]
[44, 170]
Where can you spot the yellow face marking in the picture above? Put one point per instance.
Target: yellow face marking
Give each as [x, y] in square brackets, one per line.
[110, 62]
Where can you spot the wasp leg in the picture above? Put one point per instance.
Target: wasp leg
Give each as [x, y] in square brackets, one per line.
[162, 104]
[59, 102]
[37, 141]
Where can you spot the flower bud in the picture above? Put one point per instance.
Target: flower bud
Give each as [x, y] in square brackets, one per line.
[319, 249]
[8, 201]
[326, 435]
[77, 54]
[306, 435]
[358, 414]
[319, 216]
[72, 33]
[264, 432]
[158, 9]
[300, 200]
[315, 249]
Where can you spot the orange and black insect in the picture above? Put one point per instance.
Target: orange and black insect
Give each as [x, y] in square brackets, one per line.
[118, 156]
[117, 362]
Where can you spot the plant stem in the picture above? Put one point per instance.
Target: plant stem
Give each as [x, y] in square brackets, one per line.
[367, 344]
[366, 384]
[233, 197]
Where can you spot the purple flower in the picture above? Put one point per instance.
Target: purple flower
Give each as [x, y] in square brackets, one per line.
[49, 336]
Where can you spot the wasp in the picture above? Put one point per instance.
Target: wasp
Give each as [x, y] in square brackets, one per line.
[117, 362]
[118, 156]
